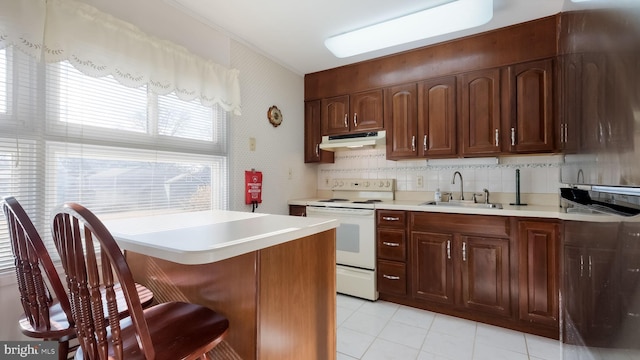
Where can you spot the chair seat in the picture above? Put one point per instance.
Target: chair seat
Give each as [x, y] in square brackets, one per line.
[197, 327]
[59, 326]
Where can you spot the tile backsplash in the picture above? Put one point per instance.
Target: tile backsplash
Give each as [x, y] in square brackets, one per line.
[539, 174]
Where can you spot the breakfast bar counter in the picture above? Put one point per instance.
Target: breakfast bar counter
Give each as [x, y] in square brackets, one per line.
[272, 276]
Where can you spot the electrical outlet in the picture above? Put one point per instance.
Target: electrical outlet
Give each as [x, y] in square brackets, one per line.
[252, 144]
[290, 173]
[420, 181]
[326, 181]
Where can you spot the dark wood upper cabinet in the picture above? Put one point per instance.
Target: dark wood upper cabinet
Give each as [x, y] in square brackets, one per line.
[592, 93]
[570, 88]
[312, 135]
[401, 114]
[531, 121]
[480, 113]
[335, 115]
[437, 116]
[352, 113]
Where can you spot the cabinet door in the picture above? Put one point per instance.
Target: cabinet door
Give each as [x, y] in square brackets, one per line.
[592, 126]
[591, 295]
[485, 275]
[366, 111]
[480, 112]
[571, 103]
[402, 116]
[432, 267]
[574, 321]
[312, 135]
[297, 210]
[437, 117]
[335, 115]
[531, 127]
[538, 272]
[619, 127]
[603, 296]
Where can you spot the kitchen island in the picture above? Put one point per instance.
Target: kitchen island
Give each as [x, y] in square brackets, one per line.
[273, 276]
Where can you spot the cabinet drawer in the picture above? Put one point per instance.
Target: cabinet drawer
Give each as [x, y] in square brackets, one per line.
[392, 244]
[391, 219]
[485, 225]
[392, 277]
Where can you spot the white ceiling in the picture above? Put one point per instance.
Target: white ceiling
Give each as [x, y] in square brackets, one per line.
[292, 32]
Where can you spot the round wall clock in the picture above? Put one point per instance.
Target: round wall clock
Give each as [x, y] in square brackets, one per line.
[274, 115]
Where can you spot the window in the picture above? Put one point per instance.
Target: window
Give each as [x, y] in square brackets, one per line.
[3, 81]
[120, 151]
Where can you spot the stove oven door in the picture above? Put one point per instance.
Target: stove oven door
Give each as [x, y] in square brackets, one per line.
[355, 236]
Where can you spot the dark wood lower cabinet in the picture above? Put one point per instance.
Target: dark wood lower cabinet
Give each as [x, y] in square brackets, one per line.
[486, 274]
[539, 279]
[591, 289]
[432, 267]
[497, 270]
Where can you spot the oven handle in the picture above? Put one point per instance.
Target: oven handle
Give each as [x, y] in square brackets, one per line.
[323, 211]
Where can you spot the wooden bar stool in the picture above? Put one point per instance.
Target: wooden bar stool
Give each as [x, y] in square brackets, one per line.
[47, 311]
[91, 257]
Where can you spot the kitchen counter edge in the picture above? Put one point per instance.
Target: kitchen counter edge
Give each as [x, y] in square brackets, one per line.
[536, 211]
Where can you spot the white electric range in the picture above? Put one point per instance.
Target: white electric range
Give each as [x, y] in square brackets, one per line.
[353, 204]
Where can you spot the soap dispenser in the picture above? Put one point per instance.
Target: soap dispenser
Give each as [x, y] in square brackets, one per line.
[438, 195]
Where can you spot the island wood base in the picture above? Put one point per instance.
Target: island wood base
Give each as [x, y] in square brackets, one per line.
[280, 301]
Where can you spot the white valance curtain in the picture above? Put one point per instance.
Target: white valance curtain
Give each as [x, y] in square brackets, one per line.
[98, 44]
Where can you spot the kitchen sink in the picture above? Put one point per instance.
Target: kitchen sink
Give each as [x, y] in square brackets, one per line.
[463, 203]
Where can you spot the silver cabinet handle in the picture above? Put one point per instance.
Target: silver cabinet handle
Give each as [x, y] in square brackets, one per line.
[600, 133]
[413, 143]
[390, 244]
[390, 218]
[581, 266]
[464, 251]
[355, 119]
[513, 136]
[346, 120]
[497, 137]
[635, 315]
[590, 266]
[390, 277]
[317, 149]
[634, 234]
[424, 142]
[449, 249]
[566, 133]
[562, 141]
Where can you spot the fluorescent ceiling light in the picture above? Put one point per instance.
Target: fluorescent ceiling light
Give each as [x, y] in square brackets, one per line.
[439, 20]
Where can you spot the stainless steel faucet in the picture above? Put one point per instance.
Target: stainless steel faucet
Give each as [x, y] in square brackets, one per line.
[453, 181]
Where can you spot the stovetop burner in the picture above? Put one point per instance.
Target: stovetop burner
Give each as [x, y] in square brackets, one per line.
[370, 201]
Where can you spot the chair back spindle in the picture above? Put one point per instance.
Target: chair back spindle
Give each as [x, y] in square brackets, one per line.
[81, 240]
[31, 259]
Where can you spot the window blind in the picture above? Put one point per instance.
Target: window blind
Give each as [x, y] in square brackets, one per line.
[119, 151]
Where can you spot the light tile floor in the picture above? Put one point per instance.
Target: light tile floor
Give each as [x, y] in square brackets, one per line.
[386, 331]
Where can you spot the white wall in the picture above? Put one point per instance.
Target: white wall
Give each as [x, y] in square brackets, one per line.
[279, 150]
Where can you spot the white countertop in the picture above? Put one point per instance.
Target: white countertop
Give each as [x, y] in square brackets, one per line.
[538, 211]
[210, 236]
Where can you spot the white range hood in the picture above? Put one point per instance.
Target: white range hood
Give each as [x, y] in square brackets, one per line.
[353, 141]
